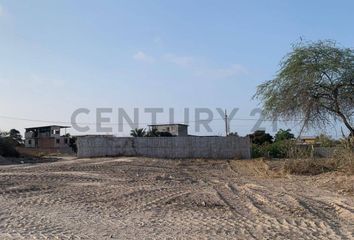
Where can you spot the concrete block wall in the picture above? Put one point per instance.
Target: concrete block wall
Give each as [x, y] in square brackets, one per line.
[165, 147]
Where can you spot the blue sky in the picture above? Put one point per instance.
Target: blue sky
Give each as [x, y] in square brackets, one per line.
[57, 56]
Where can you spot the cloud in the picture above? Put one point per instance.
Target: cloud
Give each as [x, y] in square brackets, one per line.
[226, 72]
[198, 67]
[202, 68]
[182, 61]
[142, 57]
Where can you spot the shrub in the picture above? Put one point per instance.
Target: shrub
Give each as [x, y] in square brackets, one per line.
[326, 141]
[256, 151]
[343, 160]
[7, 149]
[279, 149]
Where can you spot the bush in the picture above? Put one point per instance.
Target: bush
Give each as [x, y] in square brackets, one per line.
[7, 148]
[342, 161]
[256, 151]
[345, 160]
[279, 149]
[307, 166]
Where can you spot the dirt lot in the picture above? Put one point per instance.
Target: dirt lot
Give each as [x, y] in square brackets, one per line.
[137, 198]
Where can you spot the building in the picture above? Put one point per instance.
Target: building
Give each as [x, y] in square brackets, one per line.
[308, 140]
[47, 137]
[173, 129]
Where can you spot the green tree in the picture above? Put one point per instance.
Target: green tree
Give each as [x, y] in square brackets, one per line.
[260, 137]
[138, 132]
[315, 84]
[282, 135]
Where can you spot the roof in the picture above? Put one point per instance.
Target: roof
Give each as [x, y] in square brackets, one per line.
[308, 137]
[48, 127]
[94, 135]
[168, 124]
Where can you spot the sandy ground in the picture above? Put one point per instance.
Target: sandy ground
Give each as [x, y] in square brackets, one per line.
[137, 198]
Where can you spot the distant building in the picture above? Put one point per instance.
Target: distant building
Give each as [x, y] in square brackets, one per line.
[46, 137]
[309, 140]
[173, 129]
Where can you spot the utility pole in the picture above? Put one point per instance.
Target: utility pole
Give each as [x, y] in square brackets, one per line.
[226, 124]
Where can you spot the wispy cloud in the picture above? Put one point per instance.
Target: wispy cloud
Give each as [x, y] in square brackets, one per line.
[143, 57]
[182, 61]
[202, 68]
[225, 72]
[197, 66]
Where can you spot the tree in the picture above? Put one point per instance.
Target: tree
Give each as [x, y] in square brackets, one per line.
[260, 137]
[8, 142]
[15, 135]
[3, 134]
[72, 142]
[315, 84]
[283, 135]
[138, 132]
[234, 134]
[152, 133]
[7, 148]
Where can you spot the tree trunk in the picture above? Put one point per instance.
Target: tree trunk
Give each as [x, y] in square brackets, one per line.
[346, 123]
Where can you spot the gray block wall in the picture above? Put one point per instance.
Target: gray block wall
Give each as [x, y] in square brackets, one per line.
[231, 147]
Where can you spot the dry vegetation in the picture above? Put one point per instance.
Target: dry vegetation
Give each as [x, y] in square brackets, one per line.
[338, 170]
[342, 161]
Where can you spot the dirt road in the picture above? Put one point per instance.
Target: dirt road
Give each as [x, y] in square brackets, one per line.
[137, 198]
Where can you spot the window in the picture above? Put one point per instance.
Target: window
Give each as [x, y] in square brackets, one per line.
[29, 142]
[57, 140]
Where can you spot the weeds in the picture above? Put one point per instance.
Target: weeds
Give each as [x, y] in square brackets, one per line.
[342, 160]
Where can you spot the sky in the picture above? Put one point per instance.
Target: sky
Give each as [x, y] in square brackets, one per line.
[58, 56]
